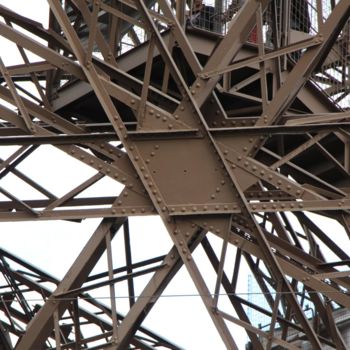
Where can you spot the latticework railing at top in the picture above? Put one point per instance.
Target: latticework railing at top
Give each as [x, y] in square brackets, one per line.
[287, 22]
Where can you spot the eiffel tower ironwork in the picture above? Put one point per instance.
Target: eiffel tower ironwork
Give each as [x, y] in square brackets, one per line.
[228, 121]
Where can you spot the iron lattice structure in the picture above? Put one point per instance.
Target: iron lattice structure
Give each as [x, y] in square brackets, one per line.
[231, 131]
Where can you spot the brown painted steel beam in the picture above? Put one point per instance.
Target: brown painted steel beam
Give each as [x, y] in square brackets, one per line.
[41, 326]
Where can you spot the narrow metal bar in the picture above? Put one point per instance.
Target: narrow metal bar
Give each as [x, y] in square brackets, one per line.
[236, 269]
[58, 202]
[220, 270]
[22, 204]
[147, 76]
[17, 98]
[76, 321]
[129, 265]
[93, 29]
[274, 316]
[111, 287]
[57, 330]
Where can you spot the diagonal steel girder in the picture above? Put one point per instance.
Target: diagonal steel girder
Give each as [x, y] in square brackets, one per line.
[41, 326]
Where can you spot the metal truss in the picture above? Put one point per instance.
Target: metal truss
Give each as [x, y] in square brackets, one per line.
[231, 132]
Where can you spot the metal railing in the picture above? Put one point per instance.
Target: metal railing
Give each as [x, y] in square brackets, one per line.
[286, 22]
